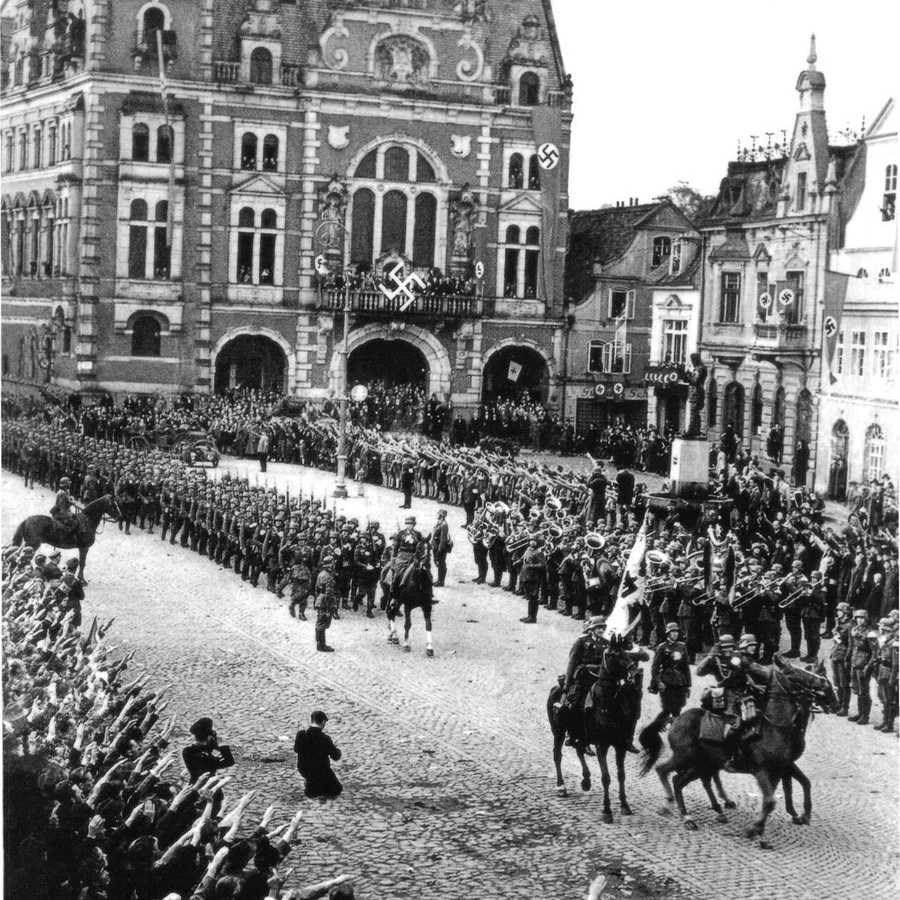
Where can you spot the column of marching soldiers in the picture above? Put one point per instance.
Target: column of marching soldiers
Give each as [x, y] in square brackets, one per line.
[562, 540]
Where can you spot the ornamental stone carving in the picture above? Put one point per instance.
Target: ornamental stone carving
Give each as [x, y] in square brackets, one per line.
[262, 21]
[529, 44]
[401, 60]
[465, 213]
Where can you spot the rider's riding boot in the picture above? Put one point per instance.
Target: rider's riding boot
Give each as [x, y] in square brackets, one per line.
[369, 608]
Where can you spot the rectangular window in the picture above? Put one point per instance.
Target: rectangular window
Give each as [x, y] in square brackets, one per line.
[51, 147]
[839, 355]
[36, 161]
[675, 341]
[23, 150]
[531, 273]
[881, 362]
[160, 254]
[800, 205]
[621, 303]
[794, 313]
[137, 251]
[858, 353]
[595, 356]
[675, 262]
[763, 306]
[730, 301]
[245, 257]
[267, 258]
[511, 274]
[8, 153]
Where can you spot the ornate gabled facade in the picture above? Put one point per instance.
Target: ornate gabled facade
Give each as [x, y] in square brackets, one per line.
[859, 433]
[209, 233]
[619, 259]
[765, 282]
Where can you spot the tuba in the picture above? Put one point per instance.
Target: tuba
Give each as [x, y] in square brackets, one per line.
[595, 542]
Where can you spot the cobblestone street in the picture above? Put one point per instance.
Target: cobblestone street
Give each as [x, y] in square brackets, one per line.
[449, 782]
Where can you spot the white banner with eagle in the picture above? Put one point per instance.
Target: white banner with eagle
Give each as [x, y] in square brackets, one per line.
[631, 587]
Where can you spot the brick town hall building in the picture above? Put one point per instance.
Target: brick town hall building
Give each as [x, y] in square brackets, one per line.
[198, 242]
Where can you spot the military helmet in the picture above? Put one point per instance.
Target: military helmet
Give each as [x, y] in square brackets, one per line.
[672, 626]
[596, 622]
[748, 640]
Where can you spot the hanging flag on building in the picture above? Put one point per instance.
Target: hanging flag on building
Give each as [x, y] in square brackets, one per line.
[835, 293]
[515, 369]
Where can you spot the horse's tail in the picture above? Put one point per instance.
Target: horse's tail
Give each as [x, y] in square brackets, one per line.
[651, 740]
[19, 536]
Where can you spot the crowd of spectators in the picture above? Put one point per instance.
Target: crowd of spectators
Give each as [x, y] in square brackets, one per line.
[94, 808]
[364, 278]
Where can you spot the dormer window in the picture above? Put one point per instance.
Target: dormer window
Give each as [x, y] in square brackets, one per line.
[662, 250]
[261, 66]
[529, 89]
[889, 201]
[675, 261]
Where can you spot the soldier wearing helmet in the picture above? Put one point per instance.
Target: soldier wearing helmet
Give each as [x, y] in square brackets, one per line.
[885, 673]
[409, 550]
[670, 675]
[863, 649]
[585, 657]
[840, 656]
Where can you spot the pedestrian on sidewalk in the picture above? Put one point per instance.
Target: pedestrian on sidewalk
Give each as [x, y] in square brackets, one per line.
[315, 750]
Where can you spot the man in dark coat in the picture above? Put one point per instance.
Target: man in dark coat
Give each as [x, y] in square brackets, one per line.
[315, 750]
[205, 754]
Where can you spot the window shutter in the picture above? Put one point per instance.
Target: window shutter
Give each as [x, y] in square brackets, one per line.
[629, 305]
[609, 301]
[627, 368]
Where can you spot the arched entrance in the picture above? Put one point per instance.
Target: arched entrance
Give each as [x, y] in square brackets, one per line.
[393, 362]
[512, 371]
[838, 468]
[251, 361]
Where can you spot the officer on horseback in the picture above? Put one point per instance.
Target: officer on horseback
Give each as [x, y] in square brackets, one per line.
[410, 551]
[62, 510]
[585, 658]
[743, 679]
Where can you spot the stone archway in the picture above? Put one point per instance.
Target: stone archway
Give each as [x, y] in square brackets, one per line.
[523, 352]
[434, 352]
[253, 357]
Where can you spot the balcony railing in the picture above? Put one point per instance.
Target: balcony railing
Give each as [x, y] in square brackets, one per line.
[375, 302]
[780, 333]
[229, 72]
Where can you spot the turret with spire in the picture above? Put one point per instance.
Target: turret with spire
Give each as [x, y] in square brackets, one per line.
[806, 171]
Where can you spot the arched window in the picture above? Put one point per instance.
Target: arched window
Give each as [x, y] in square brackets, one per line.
[393, 222]
[424, 171]
[803, 427]
[261, 66]
[529, 89]
[424, 230]
[257, 256]
[756, 410]
[362, 234]
[662, 250]
[873, 461]
[534, 173]
[512, 234]
[733, 407]
[165, 143]
[145, 337]
[246, 218]
[270, 152]
[248, 151]
[154, 20]
[889, 201]
[396, 164]
[140, 142]
[712, 404]
[516, 171]
[512, 255]
[366, 167]
[137, 240]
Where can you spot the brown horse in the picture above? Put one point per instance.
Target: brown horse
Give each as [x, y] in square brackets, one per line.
[37, 530]
[609, 722]
[771, 757]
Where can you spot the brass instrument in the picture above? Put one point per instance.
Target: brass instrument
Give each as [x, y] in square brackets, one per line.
[595, 542]
[787, 601]
[518, 541]
[759, 591]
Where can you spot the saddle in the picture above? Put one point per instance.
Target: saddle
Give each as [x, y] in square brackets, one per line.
[714, 726]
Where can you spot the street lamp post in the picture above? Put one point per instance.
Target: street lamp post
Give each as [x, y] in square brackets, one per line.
[340, 487]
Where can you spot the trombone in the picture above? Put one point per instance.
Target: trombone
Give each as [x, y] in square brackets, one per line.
[793, 596]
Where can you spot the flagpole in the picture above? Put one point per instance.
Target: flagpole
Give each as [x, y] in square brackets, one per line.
[170, 218]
